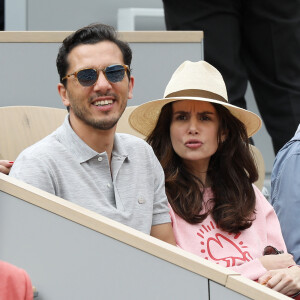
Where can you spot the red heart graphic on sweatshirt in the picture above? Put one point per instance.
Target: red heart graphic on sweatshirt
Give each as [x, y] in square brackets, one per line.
[229, 253]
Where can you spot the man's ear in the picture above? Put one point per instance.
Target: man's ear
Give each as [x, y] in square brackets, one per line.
[63, 94]
[130, 87]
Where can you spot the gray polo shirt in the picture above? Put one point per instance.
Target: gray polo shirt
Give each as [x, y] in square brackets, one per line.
[132, 192]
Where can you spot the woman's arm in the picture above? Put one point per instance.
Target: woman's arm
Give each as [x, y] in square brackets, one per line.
[257, 267]
[5, 166]
[280, 261]
[270, 235]
[285, 281]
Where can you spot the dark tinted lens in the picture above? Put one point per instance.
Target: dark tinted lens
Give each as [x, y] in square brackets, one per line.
[87, 77]
[115, 73]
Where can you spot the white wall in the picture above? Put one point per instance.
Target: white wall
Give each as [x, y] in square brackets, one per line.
[72, 14]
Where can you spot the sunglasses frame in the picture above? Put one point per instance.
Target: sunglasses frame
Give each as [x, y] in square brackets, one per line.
[126, 67]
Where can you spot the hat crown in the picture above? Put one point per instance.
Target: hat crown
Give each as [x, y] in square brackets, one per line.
[196, 79]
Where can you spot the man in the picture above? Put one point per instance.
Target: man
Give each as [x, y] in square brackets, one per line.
[285, 193]
[84, 160]
[1, 15]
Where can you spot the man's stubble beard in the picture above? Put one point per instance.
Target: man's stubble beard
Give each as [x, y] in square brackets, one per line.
[83, 113]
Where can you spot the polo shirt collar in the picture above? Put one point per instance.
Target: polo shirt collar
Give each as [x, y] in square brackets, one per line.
[79, 149]
[119, 150]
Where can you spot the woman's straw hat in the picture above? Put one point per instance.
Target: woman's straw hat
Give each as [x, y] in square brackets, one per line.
[192, 81]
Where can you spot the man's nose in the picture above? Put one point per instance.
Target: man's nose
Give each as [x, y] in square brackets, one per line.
[102, 84]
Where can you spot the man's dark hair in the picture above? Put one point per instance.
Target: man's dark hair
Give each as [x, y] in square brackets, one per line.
[90, 34]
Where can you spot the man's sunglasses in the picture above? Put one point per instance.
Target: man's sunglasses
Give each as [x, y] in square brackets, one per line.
[88, 77]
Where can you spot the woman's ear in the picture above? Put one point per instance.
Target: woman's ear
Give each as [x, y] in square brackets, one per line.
[223, 137]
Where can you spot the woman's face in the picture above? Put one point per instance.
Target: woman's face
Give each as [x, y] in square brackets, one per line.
[194, 132]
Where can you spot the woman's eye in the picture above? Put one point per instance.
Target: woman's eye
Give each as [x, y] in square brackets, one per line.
[181, 117]
[204, 118]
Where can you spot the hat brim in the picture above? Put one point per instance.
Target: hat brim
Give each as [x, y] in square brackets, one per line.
[144, 117]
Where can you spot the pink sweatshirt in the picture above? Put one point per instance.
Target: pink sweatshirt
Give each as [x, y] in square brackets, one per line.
[241, 251]
[15, 283]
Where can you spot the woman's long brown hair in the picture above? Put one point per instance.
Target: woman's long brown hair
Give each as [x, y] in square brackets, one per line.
[231, 171]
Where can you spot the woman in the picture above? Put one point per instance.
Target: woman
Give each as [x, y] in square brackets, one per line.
[202, 143]
[5, 166]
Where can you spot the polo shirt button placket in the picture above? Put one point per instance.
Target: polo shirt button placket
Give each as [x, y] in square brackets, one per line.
[100, 158]
[141, 200]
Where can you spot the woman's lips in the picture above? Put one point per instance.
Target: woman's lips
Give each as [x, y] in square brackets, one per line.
[193, 144]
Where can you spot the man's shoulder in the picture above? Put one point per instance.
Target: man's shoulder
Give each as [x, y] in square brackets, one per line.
[286, 163]
[290, 149]
[47, 145]
[129, 141]
[136, 148]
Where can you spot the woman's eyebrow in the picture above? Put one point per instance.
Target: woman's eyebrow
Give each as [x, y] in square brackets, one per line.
[206, 113]
[199, 113]
[180, 112]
